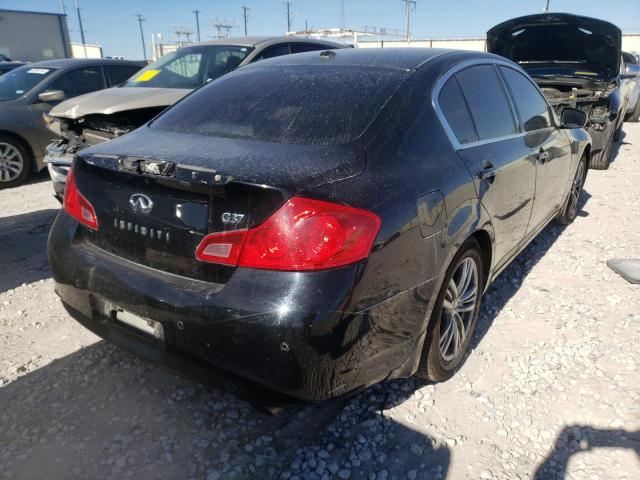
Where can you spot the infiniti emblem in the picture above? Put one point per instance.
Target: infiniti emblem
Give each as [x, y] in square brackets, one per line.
[140, 203]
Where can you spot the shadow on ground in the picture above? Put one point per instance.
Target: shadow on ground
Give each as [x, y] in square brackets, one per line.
[23, 247]
[101, 413]
[576, 439]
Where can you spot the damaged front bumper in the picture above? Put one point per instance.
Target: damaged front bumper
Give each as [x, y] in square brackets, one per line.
[58, 162]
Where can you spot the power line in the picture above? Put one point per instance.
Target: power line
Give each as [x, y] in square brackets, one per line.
[245, 14]
[140, 20]
[197, 12]
[342, 14]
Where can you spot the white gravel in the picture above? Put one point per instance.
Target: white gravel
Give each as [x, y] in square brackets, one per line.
[551, 390]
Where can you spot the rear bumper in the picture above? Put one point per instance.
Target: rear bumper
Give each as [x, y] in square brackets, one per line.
[288, 332]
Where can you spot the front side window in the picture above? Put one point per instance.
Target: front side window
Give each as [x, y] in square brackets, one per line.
[190, 67]
[487, 101]
[78, 82]
[19, 81]
[456, 112]
[531, 106]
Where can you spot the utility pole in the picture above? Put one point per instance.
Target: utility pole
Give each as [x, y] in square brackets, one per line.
[84, 44]
[80, 21]
[245, 14]
[140, 20]
[197, 12]
[63, 8]
[408, 6]
[546, 7]
[288, 4]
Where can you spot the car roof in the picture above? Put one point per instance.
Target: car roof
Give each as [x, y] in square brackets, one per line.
[391, 58]
[265, 41]
[79, 62]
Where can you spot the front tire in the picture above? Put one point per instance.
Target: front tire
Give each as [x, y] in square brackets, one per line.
[570, 211]
[603, 160]
[635, 115]
[15, 162]
[454, 315]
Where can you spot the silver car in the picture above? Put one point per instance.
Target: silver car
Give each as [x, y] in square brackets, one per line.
[100, 116]
[27, 92]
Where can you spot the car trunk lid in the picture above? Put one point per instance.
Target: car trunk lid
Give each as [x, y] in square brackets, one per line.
[155, 204]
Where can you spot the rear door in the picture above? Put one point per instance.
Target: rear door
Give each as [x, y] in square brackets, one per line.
[549, 146]
[485, 133]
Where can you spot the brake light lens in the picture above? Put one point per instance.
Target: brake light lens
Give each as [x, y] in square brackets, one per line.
[302, 235]
[76, 205]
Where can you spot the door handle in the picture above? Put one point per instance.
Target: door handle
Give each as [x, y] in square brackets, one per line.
[542, 156]
[488, 171]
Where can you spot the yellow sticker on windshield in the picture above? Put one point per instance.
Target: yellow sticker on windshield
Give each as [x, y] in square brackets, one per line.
[148, 75]
[587, 73]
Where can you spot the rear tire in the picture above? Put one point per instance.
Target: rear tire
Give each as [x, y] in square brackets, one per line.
[454, 315]
[15, 162]
[570, 210]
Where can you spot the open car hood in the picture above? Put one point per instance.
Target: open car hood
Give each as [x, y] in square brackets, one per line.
[114, 100]
[583, 46]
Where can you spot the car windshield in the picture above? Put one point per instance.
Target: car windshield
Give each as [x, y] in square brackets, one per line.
[17, 82]
[190, 67]
[302, 105]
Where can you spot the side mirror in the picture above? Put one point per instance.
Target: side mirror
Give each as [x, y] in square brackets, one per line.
[573, 118]
[631, 71]
[52, 96]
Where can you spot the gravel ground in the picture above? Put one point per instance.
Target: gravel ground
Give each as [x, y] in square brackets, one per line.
[550, 391]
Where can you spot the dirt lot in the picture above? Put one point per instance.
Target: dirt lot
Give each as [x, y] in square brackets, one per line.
[550, 391]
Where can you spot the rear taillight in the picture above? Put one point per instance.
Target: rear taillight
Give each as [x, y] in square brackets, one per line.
[303, 234]
[76, 205]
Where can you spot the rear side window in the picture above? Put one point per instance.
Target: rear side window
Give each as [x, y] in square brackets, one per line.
[456, 112]
[487, 101]
[531, 106]
[321, 105]
[308, 47]
[274, 51]
[120, 73]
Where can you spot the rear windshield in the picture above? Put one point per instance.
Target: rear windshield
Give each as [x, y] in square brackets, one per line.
[322, 105]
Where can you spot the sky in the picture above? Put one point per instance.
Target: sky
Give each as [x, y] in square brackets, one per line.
[112, 23]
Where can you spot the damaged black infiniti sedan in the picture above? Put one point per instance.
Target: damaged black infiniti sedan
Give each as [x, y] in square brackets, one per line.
[320, 222]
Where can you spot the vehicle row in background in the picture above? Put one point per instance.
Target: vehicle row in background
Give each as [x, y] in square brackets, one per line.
[631, 65]
[576, 61]
[29, 91]
[100, 116]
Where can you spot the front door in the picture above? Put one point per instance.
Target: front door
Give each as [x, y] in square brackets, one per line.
[550, 149]
[498, 158]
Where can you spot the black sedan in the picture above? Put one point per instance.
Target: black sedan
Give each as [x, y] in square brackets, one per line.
[319, 222]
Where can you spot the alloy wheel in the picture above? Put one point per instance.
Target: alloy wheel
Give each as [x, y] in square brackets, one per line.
[11, 162]
[458, 309]
[576, 189]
